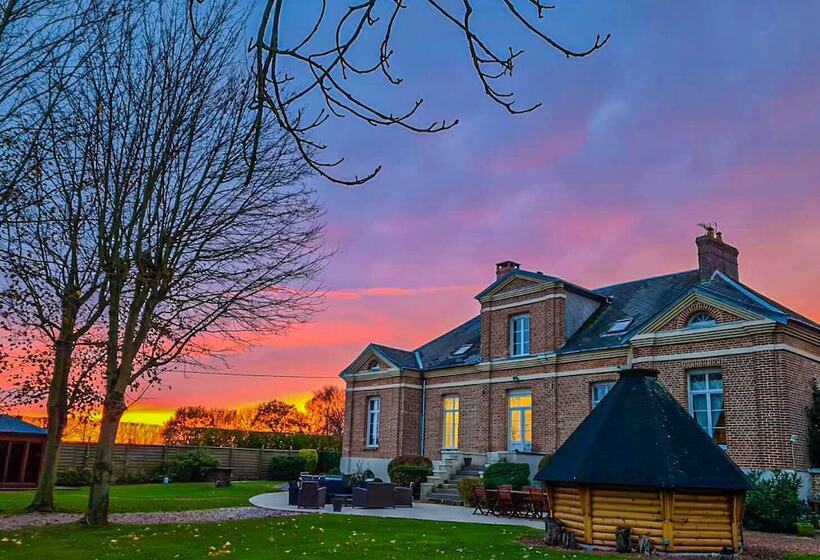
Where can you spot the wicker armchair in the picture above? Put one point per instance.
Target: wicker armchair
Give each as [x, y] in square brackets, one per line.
[312, 496]
[376, 495]
[403, 496]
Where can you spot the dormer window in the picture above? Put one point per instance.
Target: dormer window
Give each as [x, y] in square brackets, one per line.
[619, 326]
[374, 365]
[462, 349]
[700, 320]
[520, 335]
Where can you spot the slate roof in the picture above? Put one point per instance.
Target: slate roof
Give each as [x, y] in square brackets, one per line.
[12, 425]
[641, 300]
[639, 435]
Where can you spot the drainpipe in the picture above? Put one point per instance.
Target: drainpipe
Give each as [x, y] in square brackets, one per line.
[423, 415]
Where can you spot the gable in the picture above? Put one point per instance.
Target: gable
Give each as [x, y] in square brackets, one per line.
[677, 315]
[363, 362]
[513, 285]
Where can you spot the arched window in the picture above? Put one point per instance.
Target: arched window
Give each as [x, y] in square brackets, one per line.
[699, 320]
[374, 365]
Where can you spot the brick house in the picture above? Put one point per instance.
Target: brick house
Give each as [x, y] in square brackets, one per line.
[516, 380]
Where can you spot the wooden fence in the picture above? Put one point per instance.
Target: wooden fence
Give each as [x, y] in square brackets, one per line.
[250, 464]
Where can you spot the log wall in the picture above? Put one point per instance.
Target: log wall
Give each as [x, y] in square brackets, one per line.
[674, 520]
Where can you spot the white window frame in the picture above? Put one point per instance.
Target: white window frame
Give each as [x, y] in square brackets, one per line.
[374, 365]
[374, 418]
[524, 349]
[609, 384]
[525, 445]
[708, 392]
[692, 324]
[451, 418]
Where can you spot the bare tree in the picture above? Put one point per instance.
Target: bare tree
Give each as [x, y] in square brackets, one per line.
[195, 249]
[326, 411]
[52, 284]
[280, 417]
[327, 60]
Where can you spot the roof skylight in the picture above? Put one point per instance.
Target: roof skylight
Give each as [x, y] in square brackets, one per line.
[462, 349]
[619, 326]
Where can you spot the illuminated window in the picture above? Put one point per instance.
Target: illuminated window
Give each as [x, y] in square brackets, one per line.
[520, 335]
[520, 420]
[374, 413]
[451, 422]
[599, 391]
[706, 403]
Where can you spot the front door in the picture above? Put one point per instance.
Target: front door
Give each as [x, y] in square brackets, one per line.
[520, 421]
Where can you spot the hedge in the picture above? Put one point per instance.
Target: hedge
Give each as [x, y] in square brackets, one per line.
[774, 504]
[465, 489]
[517, 474]
[286, 468]
[215, 437]
[412, 460]
[404, 475]
[311, 457]
[329, 461]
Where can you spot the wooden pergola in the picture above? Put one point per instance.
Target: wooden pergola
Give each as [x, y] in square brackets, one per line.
[21, 452]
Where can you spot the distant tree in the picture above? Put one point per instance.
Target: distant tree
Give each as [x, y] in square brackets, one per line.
[280, 417]
[349, 42]
[326, 411]
[813, 413]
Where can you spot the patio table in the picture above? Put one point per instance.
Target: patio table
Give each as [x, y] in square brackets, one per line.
[521, 501]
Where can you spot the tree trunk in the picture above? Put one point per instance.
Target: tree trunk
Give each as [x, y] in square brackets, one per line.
[57, 408]
[113, 410]
[623, 539]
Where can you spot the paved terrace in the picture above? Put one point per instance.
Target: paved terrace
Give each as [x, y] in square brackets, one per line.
[427, 512]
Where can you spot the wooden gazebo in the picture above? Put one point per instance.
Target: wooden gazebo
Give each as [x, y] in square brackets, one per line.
[640, 461]
[21, 452]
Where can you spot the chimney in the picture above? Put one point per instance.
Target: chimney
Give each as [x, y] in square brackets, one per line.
[715, 254]
[504, 267]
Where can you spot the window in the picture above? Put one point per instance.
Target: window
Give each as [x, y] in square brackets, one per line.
[699, 320]
[619, 326]
[374, 413]
[599, 391]
[451, 422]
[520, 335]
[462, 349]
[520, 420]
[706, 403]
[374, 365]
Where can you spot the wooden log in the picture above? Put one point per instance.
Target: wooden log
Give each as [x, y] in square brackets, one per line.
[552, 531]
[703, 533]
[568, 540]
[704, 541]
[627, 521]
[628, 514]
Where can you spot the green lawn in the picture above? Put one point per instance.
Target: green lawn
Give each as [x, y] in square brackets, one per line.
[308, 536]
[177, 496]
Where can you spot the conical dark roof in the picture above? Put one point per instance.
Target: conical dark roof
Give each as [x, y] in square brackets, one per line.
[639, 435]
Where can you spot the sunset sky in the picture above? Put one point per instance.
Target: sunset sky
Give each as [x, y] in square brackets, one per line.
[693, 112]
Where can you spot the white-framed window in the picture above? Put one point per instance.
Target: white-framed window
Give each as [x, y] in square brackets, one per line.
[462, 349]
[374, 417]
[700, 320]
[619, 326]
[520, 335]
[374, 365]
[519, 413]
[706, 403]
[599, 391]
[450, 422]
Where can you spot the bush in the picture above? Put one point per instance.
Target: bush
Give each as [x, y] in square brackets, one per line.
[774, 504]
[465, 489]
[329, 461]
[74, 477]
[192, 467]
[311, 457]
[414, 460]
[517, 474]
[334, 472]
[403, 475]
[136, 476]
[286, 468]
[215, 437]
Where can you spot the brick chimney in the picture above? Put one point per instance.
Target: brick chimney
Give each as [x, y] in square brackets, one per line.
[504, 267]
[715, 254]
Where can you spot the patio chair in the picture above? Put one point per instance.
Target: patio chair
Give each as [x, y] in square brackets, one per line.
[504, 503]
[312, 496]
[481, 502]
[376, 495]
[538, 502]
[403, 496]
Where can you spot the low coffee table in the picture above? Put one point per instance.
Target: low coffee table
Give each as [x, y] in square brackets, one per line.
[341, 500]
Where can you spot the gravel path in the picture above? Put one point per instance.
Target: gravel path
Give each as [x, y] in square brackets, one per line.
[26, 520]
[772, 546]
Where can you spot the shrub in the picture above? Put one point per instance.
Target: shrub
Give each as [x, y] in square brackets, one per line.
[74, 477]
[465, 489]
[329, 461]
[334, 472]
[311, 457]
[517, 474]
[416, 460]
[192, 467]
[406, 474]
[135, 476]
[286, 468]
[774, 504]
